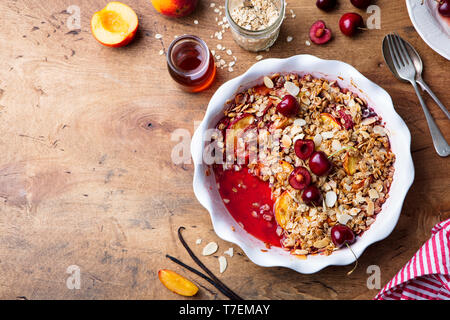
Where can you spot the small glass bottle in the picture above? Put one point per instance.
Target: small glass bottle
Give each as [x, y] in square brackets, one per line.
[255, 40]
[190, 63]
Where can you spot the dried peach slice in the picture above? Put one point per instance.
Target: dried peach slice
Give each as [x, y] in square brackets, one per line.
[282, 206]
[177, 283]
[328, 119]
[350, 163]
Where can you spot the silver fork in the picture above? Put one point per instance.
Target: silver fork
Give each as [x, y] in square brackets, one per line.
[406, 70]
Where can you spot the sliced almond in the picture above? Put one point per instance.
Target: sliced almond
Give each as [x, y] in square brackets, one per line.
[210, 248]
[330, 199]
[222, 264]
[299, 122]
[343, 218]
[367, 121]
[370, 207]
[229, 252]
[317, 139]
[268, 82]
[321, 243]
[291, 88]
[373, 194]
[379, 130]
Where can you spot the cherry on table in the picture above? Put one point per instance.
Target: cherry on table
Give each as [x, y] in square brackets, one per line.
[311, 194]
[319, 163]
[350, 23]
[300, 178]
[304, 148]
[326, 5]
[361, 4]
[288, 106]
[341, 235]
[319, 33]
[444, 8]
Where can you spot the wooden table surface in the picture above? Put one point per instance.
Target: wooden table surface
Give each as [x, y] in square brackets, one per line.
[86, 175]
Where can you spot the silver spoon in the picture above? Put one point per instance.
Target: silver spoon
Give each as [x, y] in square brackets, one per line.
[417, 61]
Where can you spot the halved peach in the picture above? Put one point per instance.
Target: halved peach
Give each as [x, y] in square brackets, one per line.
[177, 283]
[115, 25]
[282, 205]
[350, 164]
[328, 119]
[174, 8]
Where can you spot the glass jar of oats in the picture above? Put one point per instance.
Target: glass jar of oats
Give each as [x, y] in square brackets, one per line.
[255, 24]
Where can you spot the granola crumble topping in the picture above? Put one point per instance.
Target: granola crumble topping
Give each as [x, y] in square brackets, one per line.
[345, 128]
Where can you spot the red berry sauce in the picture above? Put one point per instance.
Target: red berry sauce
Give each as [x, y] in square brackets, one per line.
[250, 203]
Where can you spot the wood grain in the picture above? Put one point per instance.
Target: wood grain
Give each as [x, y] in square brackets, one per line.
[86, 176]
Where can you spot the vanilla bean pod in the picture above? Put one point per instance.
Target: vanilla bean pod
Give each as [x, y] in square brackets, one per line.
[201, 265]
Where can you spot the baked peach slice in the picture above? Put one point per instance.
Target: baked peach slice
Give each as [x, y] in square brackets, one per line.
[350, 164]
[237, 127]
[115, 25]
[282, 206]
[328, 119]
[286, 169]
[177, 283]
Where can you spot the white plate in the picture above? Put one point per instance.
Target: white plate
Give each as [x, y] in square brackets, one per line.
[205, 187]
[431, 27]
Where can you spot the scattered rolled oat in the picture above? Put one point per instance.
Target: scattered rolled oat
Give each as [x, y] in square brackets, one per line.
[258, 57]
[158, 36]
[198, 241]
[195, 21]
[289, 39]
[307, 43]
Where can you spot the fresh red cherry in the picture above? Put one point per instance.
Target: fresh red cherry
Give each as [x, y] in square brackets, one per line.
[312, 195]
[288, 106]
[326, 5]
[444, 8]
[341, 235]
[319, 33]
[300, 178]
[304, 148]
[319, 163]
[350, 23]
[361, 4]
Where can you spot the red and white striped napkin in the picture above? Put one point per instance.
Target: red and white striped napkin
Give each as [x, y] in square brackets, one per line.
[427, 275]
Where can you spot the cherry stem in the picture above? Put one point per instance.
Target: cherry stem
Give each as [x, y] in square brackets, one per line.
[356, 260]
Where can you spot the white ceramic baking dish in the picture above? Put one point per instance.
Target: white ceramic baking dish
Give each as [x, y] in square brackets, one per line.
[347, 77]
